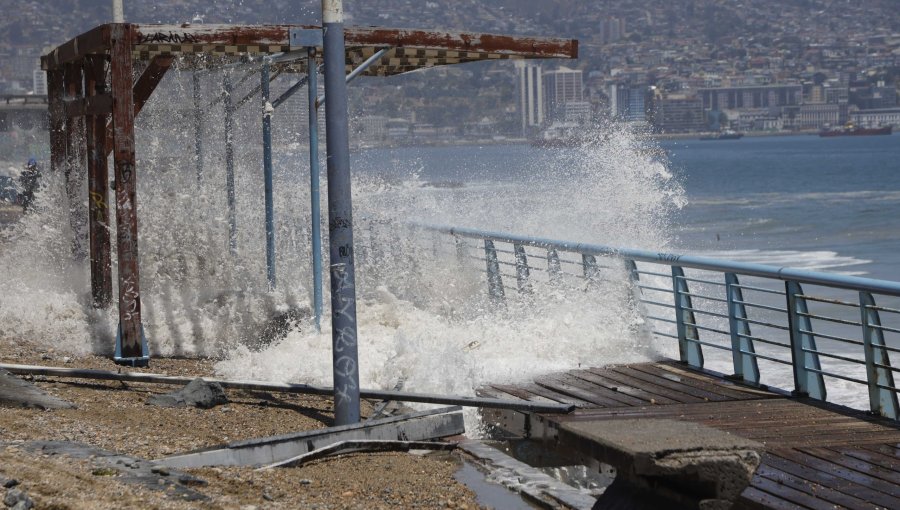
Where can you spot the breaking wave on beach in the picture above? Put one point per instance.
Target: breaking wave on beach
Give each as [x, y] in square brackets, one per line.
[424, 314]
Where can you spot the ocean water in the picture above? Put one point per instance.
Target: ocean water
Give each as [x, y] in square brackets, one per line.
[424, 317]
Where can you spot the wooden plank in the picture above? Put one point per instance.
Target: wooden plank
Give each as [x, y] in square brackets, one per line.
[638, 393]
[814, 489]
[829, 480]
[790, 494]
[856, 464]
[846, 480]
[755, 498]
[693, 390]
[720, 386]
[558, 386]
[625, 399]
[642, 384]
[98, 190]
[884, 449]
[520, 393]
[558, 397]
[887, 462]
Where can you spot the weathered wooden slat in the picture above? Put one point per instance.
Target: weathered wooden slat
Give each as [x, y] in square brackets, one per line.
[521, 394]
[720, 386]
[625, 399]
[829, 480]
[638, 393]
[855, 464]
[567, 389]
[876, 490]
[556, 396]
[678, 386]
[879, 459]
[790, 494]
[884, 449]
[657, 389]
[753, 498]
[803, 485]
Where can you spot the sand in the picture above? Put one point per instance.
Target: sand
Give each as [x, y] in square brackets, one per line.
[114, 416]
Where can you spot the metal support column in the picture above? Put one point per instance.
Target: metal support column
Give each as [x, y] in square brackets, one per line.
[98, 188]
[229, 163]
[689, 348]
[198, 126]
[808, 379]
[267, 174]
[315, 205]
[340, 220]
[131, 346]
[879, 373]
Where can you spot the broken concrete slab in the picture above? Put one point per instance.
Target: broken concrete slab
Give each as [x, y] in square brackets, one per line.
[124, 468]
[198, 393]
[681, 464]
[15, 392]
[420, 426]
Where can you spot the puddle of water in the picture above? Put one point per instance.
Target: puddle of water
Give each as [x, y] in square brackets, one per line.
[488, 493]
[560, 467]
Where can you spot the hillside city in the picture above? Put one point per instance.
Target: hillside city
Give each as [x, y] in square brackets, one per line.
[677, 66]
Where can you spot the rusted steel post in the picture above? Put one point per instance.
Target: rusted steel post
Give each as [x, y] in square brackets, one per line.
[75, 163]
[131, 346]
[98, 188]
[345, 348]
[55, 88]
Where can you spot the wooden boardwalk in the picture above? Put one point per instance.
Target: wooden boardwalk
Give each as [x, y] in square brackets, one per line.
[816, 455]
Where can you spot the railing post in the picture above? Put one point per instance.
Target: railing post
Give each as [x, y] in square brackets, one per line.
[495, 281]
[522, 271]
[462, 251]
[878, 374]
[745, 365]
[689, 350]
[591, 272]
[554, 269]
[803, 345]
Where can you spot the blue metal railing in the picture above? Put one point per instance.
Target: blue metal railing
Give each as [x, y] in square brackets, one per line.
[721, 315]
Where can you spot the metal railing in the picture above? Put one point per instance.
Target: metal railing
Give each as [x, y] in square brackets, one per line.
[715, 302]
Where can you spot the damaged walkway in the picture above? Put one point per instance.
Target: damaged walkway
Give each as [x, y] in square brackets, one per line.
[814, 455]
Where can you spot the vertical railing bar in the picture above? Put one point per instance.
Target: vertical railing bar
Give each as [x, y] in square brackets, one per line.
[881, 401]
[522, 271]
[806, 382]
[746, 367]
[554, 268]
[495, 280]
[689, 352]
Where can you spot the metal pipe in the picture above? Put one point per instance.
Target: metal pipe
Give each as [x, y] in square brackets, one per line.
[291, 91]
[267, 173]
[314, 193]
[305, 389]
[686, 261]
[198, 127]
[118, 11]
[345, 350]
[229, 163]
[359, 70]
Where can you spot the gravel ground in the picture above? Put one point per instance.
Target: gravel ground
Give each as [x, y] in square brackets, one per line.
[114, 416]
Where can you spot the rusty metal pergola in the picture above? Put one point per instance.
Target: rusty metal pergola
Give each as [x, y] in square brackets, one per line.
[94, 99]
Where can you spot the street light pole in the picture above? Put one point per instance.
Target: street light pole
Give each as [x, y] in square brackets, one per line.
[345, 350]
[118, 11]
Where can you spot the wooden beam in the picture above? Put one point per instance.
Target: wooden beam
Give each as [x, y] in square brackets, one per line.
[93, 41]
[130, 341]
[98, 186]
[75, 167]
[100, 104]
[144, 88]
